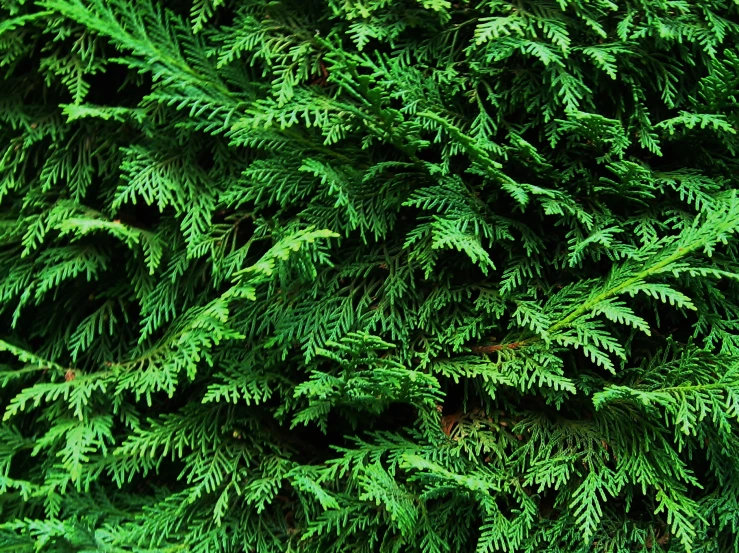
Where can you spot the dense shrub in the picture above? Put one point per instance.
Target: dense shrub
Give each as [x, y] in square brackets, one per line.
[369, 276]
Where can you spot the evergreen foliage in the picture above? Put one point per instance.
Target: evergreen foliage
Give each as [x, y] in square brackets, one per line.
[338, 276]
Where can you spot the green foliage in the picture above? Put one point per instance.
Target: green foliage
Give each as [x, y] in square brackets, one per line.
[369, 276]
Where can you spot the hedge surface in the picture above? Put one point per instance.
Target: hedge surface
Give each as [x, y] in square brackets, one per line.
[369, 276]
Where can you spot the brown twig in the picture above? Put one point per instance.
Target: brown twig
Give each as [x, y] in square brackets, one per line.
[497, 347]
